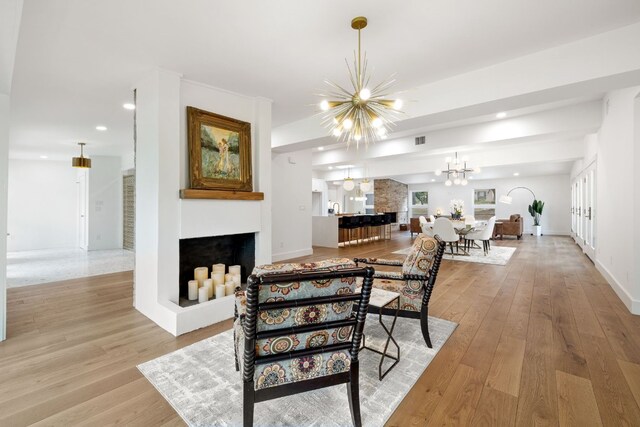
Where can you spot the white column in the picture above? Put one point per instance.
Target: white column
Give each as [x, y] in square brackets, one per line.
[262, 168]
[157, 186]
[4, 166]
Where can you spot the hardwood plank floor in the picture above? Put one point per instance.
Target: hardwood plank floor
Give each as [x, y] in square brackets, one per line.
[537, 340]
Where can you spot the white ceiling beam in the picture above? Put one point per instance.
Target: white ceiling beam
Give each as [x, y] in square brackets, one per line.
[588, 66]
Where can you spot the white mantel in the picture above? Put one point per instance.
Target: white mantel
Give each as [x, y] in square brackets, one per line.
[162, 218]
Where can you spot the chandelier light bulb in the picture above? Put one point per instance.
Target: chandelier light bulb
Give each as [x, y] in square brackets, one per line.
[438, 172]
[336, 132]
[347, 124]
[464, 182]
[357, 137]
[455, 174]
[382, 132]
[324, 105]
[456, 181]
[397, 105]
[349, 184]
[447, 159]
[377, 122]
[365, 94]
[448, 183]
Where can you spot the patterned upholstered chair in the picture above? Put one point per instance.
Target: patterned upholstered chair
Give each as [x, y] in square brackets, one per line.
[415, 281]
[298, 328]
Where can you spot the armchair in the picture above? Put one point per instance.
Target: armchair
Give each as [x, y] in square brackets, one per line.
[514, 226]
[415, 281]
[298, 327]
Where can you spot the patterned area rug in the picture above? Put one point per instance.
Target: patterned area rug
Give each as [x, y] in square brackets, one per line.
[202, 385]
[498, 255]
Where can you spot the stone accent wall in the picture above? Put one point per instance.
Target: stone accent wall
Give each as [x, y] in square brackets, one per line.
[391, 196]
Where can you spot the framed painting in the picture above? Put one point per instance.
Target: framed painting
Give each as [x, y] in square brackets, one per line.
[419, 198]
[219, 151]
[485, 197]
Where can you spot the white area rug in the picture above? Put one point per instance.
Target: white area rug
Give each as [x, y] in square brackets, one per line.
[202, 385]
[498, 255]
[53, 265]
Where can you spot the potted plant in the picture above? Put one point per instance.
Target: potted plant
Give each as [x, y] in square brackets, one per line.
[456, 209]
[535, 209]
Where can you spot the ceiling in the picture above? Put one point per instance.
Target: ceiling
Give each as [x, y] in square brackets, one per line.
[78, 60]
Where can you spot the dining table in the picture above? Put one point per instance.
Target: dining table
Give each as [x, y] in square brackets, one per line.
[462, 228]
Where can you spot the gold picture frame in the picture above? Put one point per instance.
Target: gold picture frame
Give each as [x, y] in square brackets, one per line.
[219, 151]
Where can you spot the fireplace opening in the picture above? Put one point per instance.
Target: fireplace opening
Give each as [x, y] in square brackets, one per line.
[234, 249]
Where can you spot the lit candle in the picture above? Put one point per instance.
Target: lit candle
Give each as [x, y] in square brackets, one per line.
[218, 278]
[234, 269]
[203, 295]
[230, 287]
[201, 274]
[217, 268]
[193, 290]
[220, 289]
[208, 283]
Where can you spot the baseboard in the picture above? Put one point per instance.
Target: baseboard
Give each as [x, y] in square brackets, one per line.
[292, 254]
[549, 233]
[632, 305]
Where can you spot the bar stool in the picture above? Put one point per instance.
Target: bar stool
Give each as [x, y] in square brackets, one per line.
[365, 223]
[350, 224]
[378, 223]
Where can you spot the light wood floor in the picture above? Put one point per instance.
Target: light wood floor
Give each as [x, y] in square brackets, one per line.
[541, 341]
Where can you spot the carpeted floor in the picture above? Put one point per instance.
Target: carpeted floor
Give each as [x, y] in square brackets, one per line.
[202, 385]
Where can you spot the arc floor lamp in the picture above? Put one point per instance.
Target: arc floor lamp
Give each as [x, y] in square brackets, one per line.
[508, 200]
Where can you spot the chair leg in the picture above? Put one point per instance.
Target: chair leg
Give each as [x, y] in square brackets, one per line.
[248, 404]
[424, 324]
[353, 390]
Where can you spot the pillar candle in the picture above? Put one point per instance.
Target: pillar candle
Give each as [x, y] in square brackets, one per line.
[200, 274]
[230, 287]
[218, 278]
[234, 269]
[217, 268]
[228, 277]
[203, 295]
[220, 289]
[236, 278]
[193, 290]
[208, 283]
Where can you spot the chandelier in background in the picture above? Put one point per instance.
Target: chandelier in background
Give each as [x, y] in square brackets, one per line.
[364, 113]
[82, 161]
[457, 171]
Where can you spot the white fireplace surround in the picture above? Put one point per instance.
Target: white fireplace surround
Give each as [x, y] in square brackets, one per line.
[162, 218]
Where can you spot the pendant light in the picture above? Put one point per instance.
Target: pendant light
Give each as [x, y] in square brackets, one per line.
[81, 162]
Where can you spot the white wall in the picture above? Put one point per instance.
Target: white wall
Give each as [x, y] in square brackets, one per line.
[618, 179]
[291, 221]
[4, 178]
[42, 204]
[105, 203]
[554, 190]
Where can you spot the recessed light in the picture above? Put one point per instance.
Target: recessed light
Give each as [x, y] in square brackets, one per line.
[433, 180]
[501, 115]
[516, 173]
[320, 148]
[44, 157]
[129, 106]
[100, 127]
[330, 167]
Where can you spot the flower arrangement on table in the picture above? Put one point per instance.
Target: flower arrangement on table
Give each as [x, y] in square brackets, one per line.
[457, 207]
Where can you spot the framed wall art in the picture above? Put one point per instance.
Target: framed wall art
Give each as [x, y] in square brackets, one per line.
[219, 151]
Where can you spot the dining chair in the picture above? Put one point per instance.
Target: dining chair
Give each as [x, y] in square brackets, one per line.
[483, 234]
[425, 227]
[443, 227]
[432, 219]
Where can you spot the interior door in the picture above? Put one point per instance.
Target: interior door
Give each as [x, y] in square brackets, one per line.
[588, 218]
[82, 210]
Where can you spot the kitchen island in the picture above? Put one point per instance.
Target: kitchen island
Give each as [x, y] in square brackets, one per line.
[334, 231]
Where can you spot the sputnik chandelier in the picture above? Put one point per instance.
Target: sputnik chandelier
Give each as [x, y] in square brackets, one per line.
[458, 170]
[365, 113]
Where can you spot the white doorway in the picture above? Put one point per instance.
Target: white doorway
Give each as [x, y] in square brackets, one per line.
[83, 235]
[583, 209]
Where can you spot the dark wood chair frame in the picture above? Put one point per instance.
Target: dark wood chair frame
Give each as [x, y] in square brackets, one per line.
[356, 321]
[428, 282]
